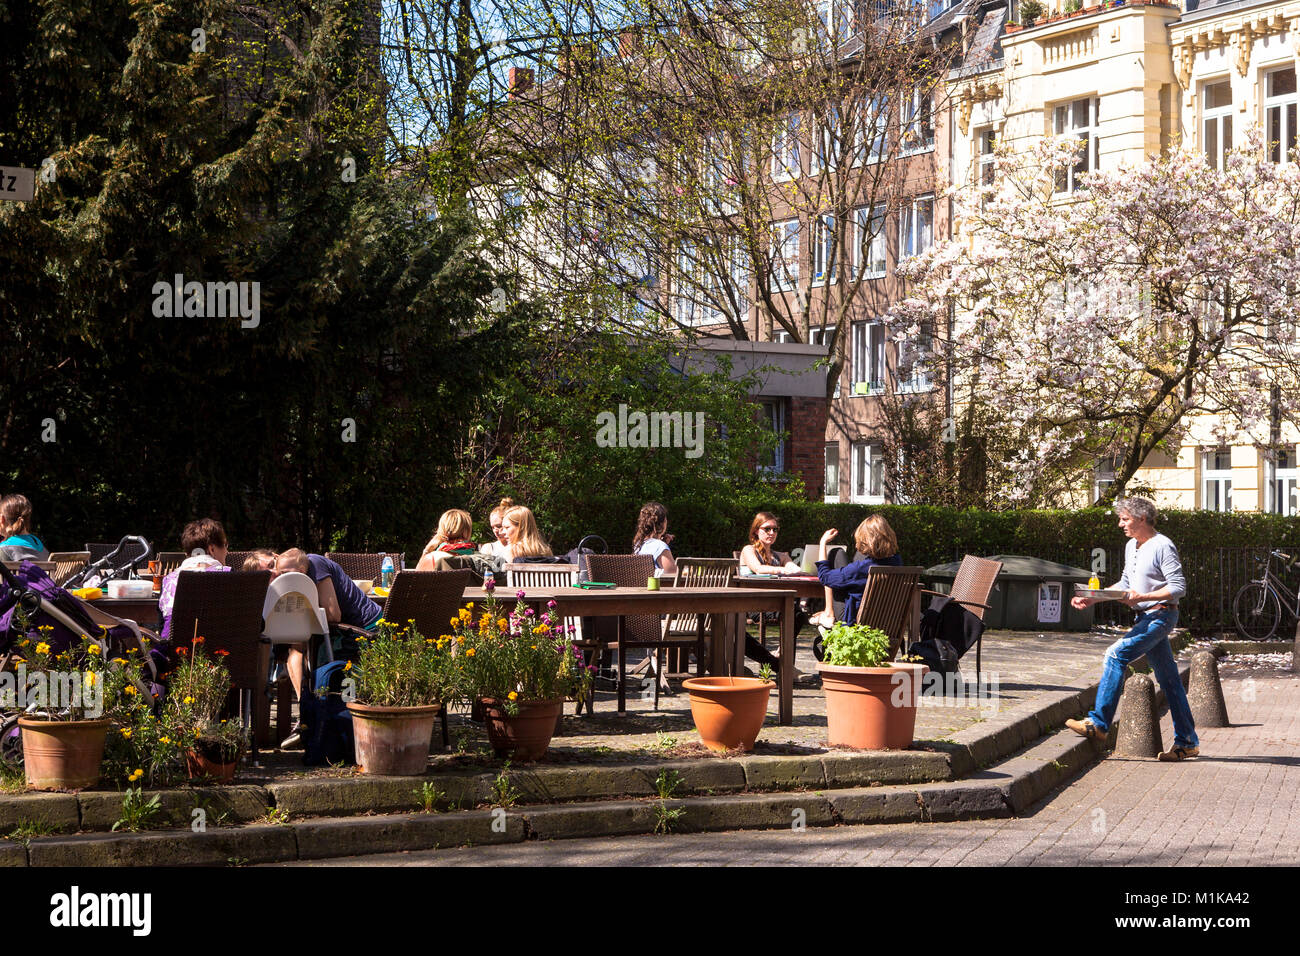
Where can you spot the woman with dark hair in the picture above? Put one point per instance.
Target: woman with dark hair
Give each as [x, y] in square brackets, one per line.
[204, 541]
[652, 538]
[17, 543]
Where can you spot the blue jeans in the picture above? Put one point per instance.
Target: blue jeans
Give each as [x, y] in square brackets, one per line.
[1150, 636]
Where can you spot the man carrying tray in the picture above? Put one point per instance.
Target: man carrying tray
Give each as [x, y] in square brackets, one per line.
[1152, 583]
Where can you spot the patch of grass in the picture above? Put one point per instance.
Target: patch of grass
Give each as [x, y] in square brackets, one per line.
[28, 829]
[12, 778]
[211, 814]
[503, 791]
[275, 816]
[664, 741]
[666, 783]
[236, 861]
[428, 795]
[137, 812]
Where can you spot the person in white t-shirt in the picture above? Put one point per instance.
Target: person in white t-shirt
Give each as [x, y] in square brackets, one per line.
[652, 538]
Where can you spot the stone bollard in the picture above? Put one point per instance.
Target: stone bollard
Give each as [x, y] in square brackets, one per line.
[1139, 726]
[1205, 693]
[1295, 650]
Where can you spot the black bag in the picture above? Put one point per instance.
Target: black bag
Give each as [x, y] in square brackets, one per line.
[579, 554]
[937, 654]
[326, 722]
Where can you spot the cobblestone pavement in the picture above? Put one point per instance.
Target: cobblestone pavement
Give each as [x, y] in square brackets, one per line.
[1238, 804]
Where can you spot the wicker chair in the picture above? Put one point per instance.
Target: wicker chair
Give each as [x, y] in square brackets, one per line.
[639, 630]
[234, 559]
[226, 611]
[362, 566]
[695, 573]
[98, 550]
[971, 588]
[889, 602]
[430, 599]
[67, 563]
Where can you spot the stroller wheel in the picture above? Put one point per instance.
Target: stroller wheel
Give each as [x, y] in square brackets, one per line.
[11, 741]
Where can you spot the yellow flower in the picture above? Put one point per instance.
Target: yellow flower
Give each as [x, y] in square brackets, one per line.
[429, 641]
[119, 660]
[470, 652]
[135, 775]
[347, 666]
[469, 606]
[94, 650]
[130, 691]
[188, 700]
[42, 648]
[502, 623]
[46, 628]
[513, 695]
[126, 732]
[454, 621]
[380, 622]
[164, 740]
[90, 678]
[460, 640]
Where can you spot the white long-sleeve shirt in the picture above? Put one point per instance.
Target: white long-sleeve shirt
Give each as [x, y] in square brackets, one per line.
[1151, 567]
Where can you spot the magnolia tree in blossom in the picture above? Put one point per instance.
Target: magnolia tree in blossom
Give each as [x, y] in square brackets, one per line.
[1098, 325]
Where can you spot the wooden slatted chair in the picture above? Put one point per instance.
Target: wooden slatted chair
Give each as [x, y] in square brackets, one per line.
[971, 588]
[889, 602]
[639, 630]
[67, 563]
[695, 573]
[169, 561]
[430, 599]
[226, 611]
[527, 575]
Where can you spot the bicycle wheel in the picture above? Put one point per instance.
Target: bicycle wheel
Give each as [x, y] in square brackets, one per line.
[1257, 611]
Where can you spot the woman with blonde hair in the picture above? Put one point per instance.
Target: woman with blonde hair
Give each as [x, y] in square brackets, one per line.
[496, 548]
[524, 540]
[876, 544]
[454, 534]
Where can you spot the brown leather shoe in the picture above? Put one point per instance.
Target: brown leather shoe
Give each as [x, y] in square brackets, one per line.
[1086, 728]
[1180, 753]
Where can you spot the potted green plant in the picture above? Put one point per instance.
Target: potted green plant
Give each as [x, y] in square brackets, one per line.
[196, 696]
[521, 667]
[729, 711]
[403, 678]
[66, 697]
[1030, 11]
[870, 701]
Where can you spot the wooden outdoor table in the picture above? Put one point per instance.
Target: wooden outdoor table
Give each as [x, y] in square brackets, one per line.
[144, 611]
[802, 585]
[724, 605]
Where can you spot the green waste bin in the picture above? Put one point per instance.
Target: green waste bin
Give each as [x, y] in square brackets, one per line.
[1030, 594]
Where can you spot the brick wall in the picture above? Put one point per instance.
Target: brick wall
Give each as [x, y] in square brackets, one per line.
[806, 451]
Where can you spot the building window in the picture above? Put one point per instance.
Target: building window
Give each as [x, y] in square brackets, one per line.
[1103, 478]
[918, 124]
[785, 254]
[916, 226]
[1216, 480]
[823, 251]
[686, 309]
[821, 336]
[1216, 122]
[1078, 120]
[1281, 474]
[913, 375]
[832, 481]
[785, 149]
[869, 141]
[869, 241]
[868, 474]
[1280, 113]
[868, 357]
[986, 140]
[828, 142]
[782, 336]
[774, 418]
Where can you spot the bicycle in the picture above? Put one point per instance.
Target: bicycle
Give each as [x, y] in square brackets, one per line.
[1257, 608]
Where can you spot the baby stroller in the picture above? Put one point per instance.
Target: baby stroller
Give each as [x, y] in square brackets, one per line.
[30, 590]
[121, 564]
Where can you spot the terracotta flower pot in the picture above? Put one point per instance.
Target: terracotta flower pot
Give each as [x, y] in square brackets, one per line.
[199, 767]
[728, 711]
[393, 741]
[527, 736]
[871, 708]
[62, 754]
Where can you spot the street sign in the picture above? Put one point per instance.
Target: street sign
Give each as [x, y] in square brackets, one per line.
[17, 184]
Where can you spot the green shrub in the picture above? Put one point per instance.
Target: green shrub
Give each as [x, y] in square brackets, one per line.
[856, 645]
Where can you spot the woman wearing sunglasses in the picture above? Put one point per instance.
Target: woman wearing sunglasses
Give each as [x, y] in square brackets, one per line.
[759, 556]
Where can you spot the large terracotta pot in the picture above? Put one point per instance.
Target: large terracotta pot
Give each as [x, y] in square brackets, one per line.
[728, 711]
[871, 708]
[393, 741]
[62, 754]
[527, 736]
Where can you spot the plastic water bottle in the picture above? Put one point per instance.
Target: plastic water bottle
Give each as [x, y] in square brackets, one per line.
[386, 571]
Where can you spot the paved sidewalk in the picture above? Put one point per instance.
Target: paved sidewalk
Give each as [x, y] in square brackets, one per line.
[1239, 804]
